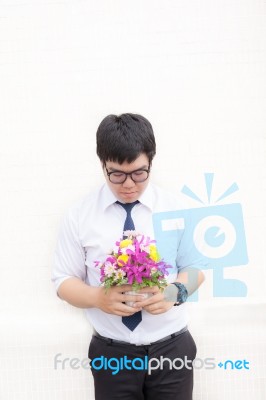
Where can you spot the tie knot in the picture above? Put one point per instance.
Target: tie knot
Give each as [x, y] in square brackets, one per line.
[127, 206]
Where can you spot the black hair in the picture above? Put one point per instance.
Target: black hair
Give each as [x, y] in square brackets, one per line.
[124, 137]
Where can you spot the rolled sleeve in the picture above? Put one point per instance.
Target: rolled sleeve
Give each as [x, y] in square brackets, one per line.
[191, 246]
[69, 255]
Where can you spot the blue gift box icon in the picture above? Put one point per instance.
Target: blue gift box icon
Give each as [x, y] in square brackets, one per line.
[214, 232]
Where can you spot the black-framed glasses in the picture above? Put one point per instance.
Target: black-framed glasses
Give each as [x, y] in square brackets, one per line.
[137, 176]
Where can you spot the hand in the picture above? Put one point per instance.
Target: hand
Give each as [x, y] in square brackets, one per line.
[156, 304]
[112, 300]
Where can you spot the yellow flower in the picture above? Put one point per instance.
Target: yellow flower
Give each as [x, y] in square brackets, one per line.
[124, 258]
[125, 243]
[154, 255]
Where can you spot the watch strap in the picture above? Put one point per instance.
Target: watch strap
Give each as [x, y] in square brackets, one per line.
[182, 294]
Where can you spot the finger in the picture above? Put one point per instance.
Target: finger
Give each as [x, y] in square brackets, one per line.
[123, 314]
[151, 300]
[123, 288]
[128, 309]
[123, 311]
[159, 308]
[134, 297]
[155, 310]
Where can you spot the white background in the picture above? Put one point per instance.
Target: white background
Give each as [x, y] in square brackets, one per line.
[196, 70]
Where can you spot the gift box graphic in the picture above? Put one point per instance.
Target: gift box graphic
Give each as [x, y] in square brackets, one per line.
[215, 236]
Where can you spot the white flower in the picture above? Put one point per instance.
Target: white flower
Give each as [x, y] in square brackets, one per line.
[109, 269]
[119, 274]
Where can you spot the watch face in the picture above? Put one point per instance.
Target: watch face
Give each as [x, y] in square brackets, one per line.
[170, 293]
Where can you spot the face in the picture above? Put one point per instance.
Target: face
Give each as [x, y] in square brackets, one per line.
[129, 191]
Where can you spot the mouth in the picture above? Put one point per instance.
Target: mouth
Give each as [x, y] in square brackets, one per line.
[128, 194]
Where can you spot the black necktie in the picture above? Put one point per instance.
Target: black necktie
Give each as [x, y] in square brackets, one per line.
[132, 321]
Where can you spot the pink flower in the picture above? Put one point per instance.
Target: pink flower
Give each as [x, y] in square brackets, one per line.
[134, 261]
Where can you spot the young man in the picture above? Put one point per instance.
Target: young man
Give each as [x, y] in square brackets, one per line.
[126, 147]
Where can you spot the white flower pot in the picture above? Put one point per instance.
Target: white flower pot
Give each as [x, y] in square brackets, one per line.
[135, 293]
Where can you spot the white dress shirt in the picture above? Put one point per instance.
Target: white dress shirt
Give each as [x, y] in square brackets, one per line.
[88, 233]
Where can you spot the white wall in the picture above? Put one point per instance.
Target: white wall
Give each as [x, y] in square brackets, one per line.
[196, 70]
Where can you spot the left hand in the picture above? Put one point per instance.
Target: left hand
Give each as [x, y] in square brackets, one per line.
[156, 304]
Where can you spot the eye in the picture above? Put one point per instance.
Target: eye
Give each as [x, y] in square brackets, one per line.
[117, 174]
[139, 173]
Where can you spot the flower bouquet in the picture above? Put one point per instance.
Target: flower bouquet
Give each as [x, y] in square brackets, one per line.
[134, 261]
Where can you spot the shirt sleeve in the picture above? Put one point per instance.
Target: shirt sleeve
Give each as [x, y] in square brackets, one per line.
[69, 256]
[191, 245]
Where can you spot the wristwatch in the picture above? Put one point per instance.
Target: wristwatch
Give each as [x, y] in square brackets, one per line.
[182, 293]
[176, 292]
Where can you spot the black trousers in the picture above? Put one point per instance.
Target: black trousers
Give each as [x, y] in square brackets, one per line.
[121, 371]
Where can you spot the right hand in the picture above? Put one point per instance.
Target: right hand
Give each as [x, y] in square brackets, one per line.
[112, 300]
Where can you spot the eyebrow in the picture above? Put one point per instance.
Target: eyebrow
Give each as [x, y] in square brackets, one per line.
[119, 170]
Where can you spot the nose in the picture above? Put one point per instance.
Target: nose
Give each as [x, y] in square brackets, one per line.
[129, 183]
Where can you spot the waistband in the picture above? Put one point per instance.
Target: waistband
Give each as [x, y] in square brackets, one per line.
[164, 339]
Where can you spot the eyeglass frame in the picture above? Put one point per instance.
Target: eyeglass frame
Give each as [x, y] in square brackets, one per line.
[128, 174]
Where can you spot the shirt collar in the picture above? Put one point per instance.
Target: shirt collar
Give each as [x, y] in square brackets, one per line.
[147, 197]
[108, 198]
